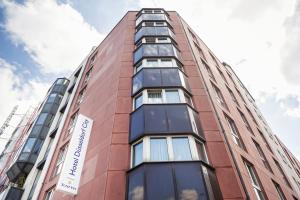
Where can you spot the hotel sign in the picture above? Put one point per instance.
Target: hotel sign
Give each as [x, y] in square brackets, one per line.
[71, 172]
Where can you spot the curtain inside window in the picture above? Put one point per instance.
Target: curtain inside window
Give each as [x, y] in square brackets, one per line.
[158, 149]
[181, 149]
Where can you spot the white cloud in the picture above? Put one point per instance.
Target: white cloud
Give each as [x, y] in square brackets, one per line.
[16, 91]
[247, 35]
[55, 35]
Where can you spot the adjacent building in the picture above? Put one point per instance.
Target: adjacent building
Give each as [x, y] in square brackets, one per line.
[170, 121]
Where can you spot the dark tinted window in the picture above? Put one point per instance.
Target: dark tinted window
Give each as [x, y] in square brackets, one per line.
[160, 185]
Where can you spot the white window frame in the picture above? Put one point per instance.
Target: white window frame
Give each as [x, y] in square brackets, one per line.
[144, 94]
[143, 64]
[49, 194]
[60, 160]
[256, 186]
[147, 150]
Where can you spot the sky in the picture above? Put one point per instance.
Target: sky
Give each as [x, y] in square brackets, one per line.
[41, 40]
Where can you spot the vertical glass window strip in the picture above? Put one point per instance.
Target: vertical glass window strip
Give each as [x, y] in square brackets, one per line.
[234, 132]
[265, 140]
[158, 149]
[214, 59]
[49, 194]
[210, 74]
[200, 51]
[42, 118]
[87, 76]
[201, 151]
[279, 191]
[222, 75]
[154, 96]
[188, 99]
[72, 123]
[81, 96]
[181, 149]
[60, 160]
[219, 97]
[137, 153]
[245, 121]
[233, 96]
[262, 156]
[172, 96]
[282, 173]
[251, 115]
[138, 101]
[254, 181]
[37, 177]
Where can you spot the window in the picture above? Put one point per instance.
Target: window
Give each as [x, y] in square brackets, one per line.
[245, 121]
[210, 74]
[219, 96]
[87, 76]
[81, 96]
[51, 98]
[230, 76]
[154, 96]
[175, 148]
[297, 183]
[49, 194]
[150, 40]
[162, 62]
[232, 96]
[158, 149]
[279, 191]
[138, 153]
[166, 62]
[93, 58]
[42, 118]
[265, 140]
[172, 96]
[29, 145]
[163, 96]
[254, 180]
[251, 115]
[214, 59]
[72, 123]
[262, 156]
[234, 132]
[282, 173]
[138, 101]
[36, 179]
[60, 161]
[222, 75]
[181, 149]
[239, 93]
[200, 51]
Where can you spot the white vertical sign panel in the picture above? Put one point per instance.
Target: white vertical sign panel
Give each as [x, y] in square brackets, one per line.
[71, 172]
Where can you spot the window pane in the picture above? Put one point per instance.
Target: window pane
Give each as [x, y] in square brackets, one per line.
[166, 63]
[181, 149]
[41, 118]
[201, 151]
[154, 96]
[51, 98]
[151, 63]
[172, 96]
[158, 149]
[29, 145]
[138, 154]
[138, 101]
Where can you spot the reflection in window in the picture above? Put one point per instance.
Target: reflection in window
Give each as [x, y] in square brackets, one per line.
[254, 181]
[219, 96]
[42, 118]
[201, 151]
[51, 98]
[279, 191]
[138, 153]
[29, 145]
[138, 101]
[181, 149]
[158, 148]
[60, 160]
[234, 132]
[72, 123]
[172, 96]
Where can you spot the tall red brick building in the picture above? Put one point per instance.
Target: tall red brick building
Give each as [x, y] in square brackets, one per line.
[170, 121]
